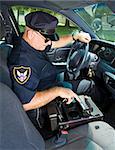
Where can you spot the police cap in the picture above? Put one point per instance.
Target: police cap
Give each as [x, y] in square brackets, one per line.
[41, 22]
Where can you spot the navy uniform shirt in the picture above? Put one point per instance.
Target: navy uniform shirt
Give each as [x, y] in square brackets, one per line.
[30, 71]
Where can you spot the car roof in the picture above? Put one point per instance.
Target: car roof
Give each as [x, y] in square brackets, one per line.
[56, 4]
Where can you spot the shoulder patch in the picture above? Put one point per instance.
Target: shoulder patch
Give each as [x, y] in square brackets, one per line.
[21, 74]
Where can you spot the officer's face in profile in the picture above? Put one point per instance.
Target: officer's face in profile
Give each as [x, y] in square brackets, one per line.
[35, 39]
[38, 41]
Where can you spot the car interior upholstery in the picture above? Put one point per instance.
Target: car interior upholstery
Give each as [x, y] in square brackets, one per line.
[17, 129]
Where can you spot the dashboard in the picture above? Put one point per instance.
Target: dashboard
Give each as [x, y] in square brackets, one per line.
[106, 68]
[104, 50]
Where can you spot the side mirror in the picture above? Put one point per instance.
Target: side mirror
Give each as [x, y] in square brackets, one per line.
[96, 24]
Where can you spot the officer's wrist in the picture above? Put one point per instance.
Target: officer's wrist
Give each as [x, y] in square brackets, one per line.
[75, 35]
[73, 38]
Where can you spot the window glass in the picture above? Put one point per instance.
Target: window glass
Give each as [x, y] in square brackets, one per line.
[100, 18]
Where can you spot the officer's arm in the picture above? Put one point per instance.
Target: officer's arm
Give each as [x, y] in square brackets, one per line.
[42, 98]
[63, 41]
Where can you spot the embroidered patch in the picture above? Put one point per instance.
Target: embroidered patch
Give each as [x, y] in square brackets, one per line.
[21, 74]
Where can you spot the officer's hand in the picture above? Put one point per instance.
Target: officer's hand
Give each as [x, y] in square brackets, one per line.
[83, 37]
[67, 94]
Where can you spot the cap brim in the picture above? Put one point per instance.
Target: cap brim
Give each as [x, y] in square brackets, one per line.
[46, 31]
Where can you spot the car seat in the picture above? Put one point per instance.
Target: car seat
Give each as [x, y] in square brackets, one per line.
[97, 135]
[16, 130]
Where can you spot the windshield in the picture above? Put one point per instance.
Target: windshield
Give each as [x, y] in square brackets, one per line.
[100, 18]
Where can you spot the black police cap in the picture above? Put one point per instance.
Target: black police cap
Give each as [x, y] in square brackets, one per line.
[41, 22]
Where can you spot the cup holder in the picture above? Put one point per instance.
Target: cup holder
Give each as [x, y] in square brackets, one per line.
[73, 114]
[72, 111]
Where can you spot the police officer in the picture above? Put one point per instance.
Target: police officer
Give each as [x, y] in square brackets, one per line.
[33, 76]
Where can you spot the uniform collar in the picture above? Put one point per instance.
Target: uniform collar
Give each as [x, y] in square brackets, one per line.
[28, 47]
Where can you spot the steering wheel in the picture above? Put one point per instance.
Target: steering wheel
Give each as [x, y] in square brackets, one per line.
[77, 56]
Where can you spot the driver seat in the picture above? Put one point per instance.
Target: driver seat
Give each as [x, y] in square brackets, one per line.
[16, 130]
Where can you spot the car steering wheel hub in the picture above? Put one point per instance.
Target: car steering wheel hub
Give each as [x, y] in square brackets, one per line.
[77, 56]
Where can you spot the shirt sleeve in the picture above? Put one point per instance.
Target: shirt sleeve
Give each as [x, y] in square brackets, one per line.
[25, 79]
[25, 89]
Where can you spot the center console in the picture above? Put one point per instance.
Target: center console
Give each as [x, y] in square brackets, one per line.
[64, 116]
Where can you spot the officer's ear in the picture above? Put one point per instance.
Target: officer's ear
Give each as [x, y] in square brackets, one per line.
[30, 34]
